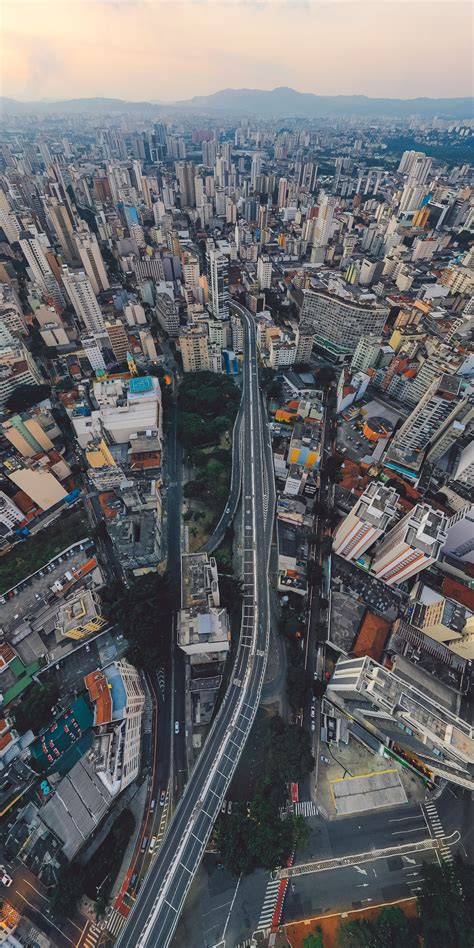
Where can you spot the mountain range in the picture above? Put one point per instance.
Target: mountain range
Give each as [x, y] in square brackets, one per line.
[275, 103]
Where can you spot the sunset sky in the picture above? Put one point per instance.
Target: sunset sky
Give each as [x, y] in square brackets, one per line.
[174, 49]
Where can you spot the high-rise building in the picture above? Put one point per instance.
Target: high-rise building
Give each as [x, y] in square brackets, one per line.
[264, 273]
[366, 522]
[10, 514]
[118, 339]
[304, 345]
[167, 313]
[282, 192]
[411, 545]
[460, 535]
[405, 715]
[63, 225]
[218, 276]
[433, 426]
[91, 259]
[339, 321]
[322, 228]
[81, 294]
[416, 165]
[255, 172]
[33, 250]
[185, 174]
[465, 466]
[118, 698]
[194, 346]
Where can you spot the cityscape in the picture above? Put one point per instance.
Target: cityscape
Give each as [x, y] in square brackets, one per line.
[236, 485]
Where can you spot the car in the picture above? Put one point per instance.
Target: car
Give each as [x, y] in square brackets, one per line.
[176, 727]
[37, 596]
[324, 759]
[144, 844]
[88, 648]
[313, 712]
[162, 797]
[229, 807]
[224, 807]
[313, 726]
[152, 845]
[5, 879]
[2, 600]
[152, 806]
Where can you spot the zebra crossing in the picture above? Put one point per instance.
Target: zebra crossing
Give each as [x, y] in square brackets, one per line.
[436, 828]
[269, 905]
[305, 808]
[115, 923]
[92, 936]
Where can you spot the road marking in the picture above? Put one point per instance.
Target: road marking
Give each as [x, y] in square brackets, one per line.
[185, 867]
[418, 829]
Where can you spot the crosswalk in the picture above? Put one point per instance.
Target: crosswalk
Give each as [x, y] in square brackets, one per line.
[269, 904]
[115, 923]
[92, 936]
[305, 808]
[436, 828]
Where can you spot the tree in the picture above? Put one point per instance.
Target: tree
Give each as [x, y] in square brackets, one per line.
[34, 711]
[144, 613]
[314, 941]
[446, 905]
[66, 893]
[231, 591]
[296, 686]
[288, 751]
[392, 929]
[27, 395]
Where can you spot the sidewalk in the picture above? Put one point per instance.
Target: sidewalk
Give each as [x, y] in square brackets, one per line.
[354, 760]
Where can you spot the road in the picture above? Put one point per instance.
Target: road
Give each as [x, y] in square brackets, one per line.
[161, 898]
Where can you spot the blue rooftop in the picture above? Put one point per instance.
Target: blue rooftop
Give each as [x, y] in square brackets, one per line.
[142, 384]
[117, 690]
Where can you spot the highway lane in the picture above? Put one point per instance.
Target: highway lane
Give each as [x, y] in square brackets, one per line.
[161, 898]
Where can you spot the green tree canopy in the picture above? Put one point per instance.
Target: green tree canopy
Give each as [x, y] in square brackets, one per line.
[288, 749]
[391, 929]
[34, 710]
[144, 613]
[27, 395]
[446, 905]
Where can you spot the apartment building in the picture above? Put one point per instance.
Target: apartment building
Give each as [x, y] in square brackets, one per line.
[367, 521]
[411, 545]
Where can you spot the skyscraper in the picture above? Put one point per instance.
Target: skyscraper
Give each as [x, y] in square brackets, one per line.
[81, 294]
[411, 545]
[430, 428]
[91, 259]
[64, 229]
[185, 173]
[264, 273]
[367, 521]
[218, 275]
[40, 268]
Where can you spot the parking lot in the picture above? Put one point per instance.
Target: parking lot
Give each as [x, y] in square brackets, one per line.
[69, 672]
[350, 440]
[374, 593]
[31, 594]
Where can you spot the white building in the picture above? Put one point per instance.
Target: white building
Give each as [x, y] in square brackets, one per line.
[411, 545]
[123, 408]
[218, 277]
[460, 535]
[367, 521]
[264, 273]
[80, 292]
[10, 515]
[118, 698]
[91, 259]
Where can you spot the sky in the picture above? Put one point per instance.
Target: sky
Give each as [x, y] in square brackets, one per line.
[174, 49]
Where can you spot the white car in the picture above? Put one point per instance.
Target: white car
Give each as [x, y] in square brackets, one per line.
[5, 879]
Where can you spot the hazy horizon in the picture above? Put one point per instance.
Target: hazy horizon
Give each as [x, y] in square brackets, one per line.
[168, 50]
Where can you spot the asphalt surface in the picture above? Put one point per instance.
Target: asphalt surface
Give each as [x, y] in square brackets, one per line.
[161, 898]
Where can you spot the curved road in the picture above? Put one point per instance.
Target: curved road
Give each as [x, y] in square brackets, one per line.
[154, 917]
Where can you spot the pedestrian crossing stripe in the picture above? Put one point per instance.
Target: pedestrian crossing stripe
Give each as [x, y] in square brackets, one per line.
[305, 808]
